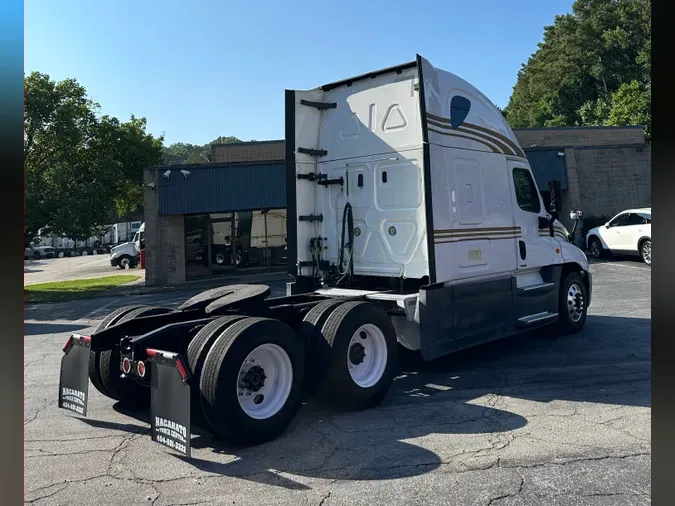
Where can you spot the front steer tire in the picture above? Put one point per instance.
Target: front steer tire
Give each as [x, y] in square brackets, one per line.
[221, 379]
[343, 332]
[572, 303]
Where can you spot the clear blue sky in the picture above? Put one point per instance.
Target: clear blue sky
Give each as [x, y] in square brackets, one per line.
[203, 68]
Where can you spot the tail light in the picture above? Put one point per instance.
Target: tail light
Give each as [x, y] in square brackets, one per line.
[181, 369]
[140, 368]
[68, 344]
[126, 365]
[71, 339]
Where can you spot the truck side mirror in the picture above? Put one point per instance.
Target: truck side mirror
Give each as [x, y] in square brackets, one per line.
[555, 198]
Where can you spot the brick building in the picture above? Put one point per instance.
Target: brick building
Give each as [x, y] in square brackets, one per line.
[260, 151]
[229, 215]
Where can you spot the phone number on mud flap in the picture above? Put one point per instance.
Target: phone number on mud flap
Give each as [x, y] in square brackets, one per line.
[171, 444]
[73, 407]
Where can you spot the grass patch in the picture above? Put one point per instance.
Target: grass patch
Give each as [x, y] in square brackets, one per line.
[75, 289]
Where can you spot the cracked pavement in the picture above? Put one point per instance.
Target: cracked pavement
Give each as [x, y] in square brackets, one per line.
[526, 421]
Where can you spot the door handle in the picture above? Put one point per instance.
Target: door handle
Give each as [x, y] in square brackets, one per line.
[523, 249]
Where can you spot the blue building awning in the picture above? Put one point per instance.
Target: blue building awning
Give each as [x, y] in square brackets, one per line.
[547, 165]
[221, 188]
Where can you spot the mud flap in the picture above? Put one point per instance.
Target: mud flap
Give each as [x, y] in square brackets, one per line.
[74, 380]
[170, 401]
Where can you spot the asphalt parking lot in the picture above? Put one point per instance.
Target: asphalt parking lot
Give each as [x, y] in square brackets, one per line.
[62, 269]
[529, 420]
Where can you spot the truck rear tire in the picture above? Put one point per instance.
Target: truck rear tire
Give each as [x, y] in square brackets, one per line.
[198, 350]
[123, 390]
[316, 349]
[364, 356]
[251, 383]
[95, 356]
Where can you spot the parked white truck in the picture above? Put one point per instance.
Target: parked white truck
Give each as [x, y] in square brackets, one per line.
[413, 219]
[128, 255]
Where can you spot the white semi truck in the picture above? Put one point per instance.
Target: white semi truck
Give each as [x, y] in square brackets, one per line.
[413, 220]
[128, 255]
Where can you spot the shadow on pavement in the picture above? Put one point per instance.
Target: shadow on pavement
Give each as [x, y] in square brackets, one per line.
[34, 329]
[307, 447]
[608, 362]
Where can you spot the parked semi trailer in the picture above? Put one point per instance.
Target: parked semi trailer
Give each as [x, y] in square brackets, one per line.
[413, 219]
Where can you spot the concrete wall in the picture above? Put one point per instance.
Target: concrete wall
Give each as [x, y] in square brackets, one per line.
[608, 168]
[580, 136]
[248, 152]
[164, 240]
[613, 179]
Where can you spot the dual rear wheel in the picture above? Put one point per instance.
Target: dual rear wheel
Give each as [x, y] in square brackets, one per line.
[104, 366]
[254, 372]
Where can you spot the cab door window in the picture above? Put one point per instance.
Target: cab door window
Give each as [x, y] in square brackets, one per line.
[635, 219]
[527, 194]
[619, 221]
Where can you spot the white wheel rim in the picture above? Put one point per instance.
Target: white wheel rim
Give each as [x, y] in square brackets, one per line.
[262, 402]
[369, 341]
[124, 263]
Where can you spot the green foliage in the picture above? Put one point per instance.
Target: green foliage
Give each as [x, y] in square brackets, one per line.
[82, 171]
[181, 152]
[592, 68]
[75, 289]
[592, 221]
[629, 105]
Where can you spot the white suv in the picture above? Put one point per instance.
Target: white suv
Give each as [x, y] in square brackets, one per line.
[628, 233]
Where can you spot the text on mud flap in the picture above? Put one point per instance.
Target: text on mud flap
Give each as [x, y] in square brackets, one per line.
[171, 429]
[73, 396]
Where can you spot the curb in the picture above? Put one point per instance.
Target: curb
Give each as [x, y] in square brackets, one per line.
[205, 284]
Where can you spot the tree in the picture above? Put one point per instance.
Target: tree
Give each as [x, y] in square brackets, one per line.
[180, 152]
[585, 58]
[82, 171]
[629, 105]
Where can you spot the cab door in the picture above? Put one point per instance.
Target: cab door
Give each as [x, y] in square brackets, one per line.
[630, 233]
[535, 250]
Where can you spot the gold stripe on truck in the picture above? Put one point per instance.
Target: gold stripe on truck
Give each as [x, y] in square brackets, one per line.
[473, 234]
[485, 133]
[453, 134]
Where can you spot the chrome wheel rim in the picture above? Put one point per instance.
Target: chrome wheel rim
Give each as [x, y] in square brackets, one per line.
[575, 302]
[124, 263]
[647, 253]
